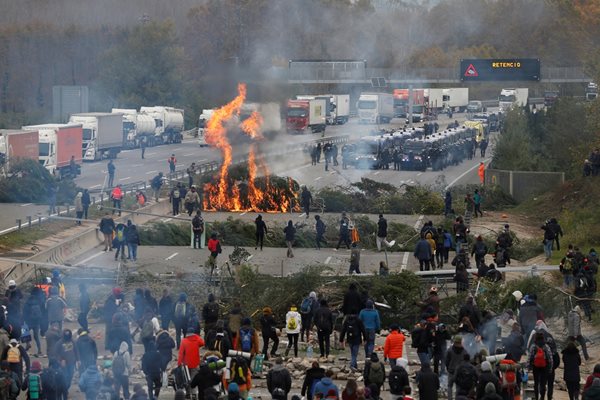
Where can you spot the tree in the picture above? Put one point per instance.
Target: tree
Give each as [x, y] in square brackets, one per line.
[144, 68]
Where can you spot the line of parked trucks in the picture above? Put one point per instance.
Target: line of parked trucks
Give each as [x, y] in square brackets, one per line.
[61, 148]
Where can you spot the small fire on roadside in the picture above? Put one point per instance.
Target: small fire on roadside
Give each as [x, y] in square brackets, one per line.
[258, 191]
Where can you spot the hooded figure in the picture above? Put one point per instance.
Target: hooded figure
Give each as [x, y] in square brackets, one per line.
[374, 372]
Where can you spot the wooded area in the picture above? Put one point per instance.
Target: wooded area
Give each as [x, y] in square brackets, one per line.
[154, 52]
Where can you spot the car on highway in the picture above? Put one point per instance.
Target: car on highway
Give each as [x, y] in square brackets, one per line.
[475, 106]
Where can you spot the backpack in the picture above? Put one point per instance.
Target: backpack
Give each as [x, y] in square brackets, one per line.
[376, 373]
[34, 384]
[176, 194]
[121, 235]
[466, 378]
[324, 323]
[216, 346]
[568, 264]
[198, 224]
[398, 377]
[480, 250]
[238, 370]
[416, 337]
[147, 330]
[14, 355]
[292, 324]
[539, 360]
[5, 386]
[508, 375]
[278, 380]
[246, 339]
[500, 257]
[35, 312]
[118, 364]
[180, 310]
[212, 311]
[306, 306]
[156, 182]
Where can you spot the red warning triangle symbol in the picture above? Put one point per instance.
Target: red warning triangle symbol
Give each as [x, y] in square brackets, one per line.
[471, 71]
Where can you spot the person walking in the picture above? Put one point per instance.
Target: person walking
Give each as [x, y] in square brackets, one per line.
[214, 246]
[574, 330]
[156, 183]
[120, 240]
[261, 231]
[85, 305]
[354, 259]
[313, 376]
[192, 201]
[353, 331]
[549, 237]
[86, 349]
[78, 207]
[306, 200]
[324, 322]
[111, 173]
[182, 315]
[189, 352]
[55, 307]
[268, 330]
[477, 203]
[66, 354]
[423, 253]
[279, 379]
[133, 240]
[571, 364]
[121, 368]
[152, 368]
[293, 326]
[369, 317]
[172, 161]
[33, 311]
[320, 229]
[143, 145]
[85, 203]
[290, 234]
[308, 309]
[107, 226]
[540, 362]
[382, 233]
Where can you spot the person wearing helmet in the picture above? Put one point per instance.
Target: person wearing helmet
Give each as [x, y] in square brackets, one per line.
[431, 304]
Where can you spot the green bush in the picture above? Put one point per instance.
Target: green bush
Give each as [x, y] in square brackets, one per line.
[493, 197]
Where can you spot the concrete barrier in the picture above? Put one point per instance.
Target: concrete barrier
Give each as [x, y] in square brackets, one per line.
[523, 184]
[78, 244]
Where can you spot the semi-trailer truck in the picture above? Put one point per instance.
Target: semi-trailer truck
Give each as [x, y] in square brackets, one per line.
[518, 97]
[17, 144]
[375, 108]
[136, 127]
[58, 144]
[338, 106]
[305, 115]
[169, 123]
[102, 134]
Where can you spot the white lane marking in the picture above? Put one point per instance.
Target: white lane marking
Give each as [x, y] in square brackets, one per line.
[249, 257]
[188, 154]
[327, 260]
[137, 165]
[465, 173]
[419, 174]
[90, 258]
[419, 220]
[124, 179]
[95, 186]
[126, 151]
[151, 172]
[150, 154]
[244, 213]
[377, 173]
[166, 219]
[171, 256]
[204, 159]
[301, 215]
[318, 178]
[26, 204]
[404, 261]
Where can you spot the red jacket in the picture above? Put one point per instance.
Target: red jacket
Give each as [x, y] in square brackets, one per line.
[589, 381]
[117, 193]
[189, 351]
[393, 346]
[213, 245]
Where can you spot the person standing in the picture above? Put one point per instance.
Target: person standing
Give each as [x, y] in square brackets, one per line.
[189, 353]
[306, 200]
[320, 229]
[557, 229]
[111, 173]
[32, 315]
[121, 368]
[382, 233]
[481, 172]
[120, 240]
[78, 207]
[214, 246]
[85, 305]
[344, 231]
[90, 382]
[549, 237]
[52, 189]
[175, 198]
[198, 229]
[571, 364]
[324, 322]
[191, 170]
[290, 235]
[540, 362]
[279, 379]
[394, 345]
[374, 373]
[117, 196]
[133, 240]
[261, 231]
[143, 145]
[308, 309]
[165, 309]
[55, 307]
[156, 183]
[85, 202]
[152, 368]
[192, 201]
[369, 317]
[66, 353]
[354, 259]
[313, 376]
[172, 163]
[86, 348]
[477, 201]
[293, 326]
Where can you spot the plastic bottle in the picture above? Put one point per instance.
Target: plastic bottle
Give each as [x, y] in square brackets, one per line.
[309, 351]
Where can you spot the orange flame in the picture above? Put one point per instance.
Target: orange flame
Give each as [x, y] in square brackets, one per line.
[226, 194]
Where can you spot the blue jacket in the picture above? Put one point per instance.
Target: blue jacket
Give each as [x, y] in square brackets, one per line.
[370, 319]
[423, 250]
[90, 382]
[324, 386]
[447, 240]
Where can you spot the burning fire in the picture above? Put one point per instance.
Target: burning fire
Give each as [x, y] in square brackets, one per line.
[257, 193]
